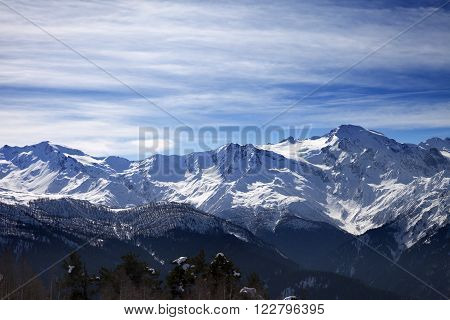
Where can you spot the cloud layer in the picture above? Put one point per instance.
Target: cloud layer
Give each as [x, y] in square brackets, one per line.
[216, 63]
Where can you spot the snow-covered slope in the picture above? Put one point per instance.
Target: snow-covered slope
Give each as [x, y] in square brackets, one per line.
[353, 178]
[372, 180]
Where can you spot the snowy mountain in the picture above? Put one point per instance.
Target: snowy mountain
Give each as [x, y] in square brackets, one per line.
[373, 180]
[352, 178]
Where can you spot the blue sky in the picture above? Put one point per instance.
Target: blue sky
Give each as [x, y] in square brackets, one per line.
[219, 63]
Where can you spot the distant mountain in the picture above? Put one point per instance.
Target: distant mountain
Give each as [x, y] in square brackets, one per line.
[352, 178]
[443, 145]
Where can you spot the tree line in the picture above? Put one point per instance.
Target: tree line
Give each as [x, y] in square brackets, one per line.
[133, 278]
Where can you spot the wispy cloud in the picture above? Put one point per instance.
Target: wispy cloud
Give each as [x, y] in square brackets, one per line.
[218, 63]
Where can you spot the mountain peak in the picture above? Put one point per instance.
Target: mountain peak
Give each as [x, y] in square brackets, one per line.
[352, 132]
[348, 129]
[290, 139]
[233, 147]
[437, 143]
[44, 145]
[47, 147]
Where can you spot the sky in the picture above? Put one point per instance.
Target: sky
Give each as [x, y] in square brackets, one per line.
[219, 63]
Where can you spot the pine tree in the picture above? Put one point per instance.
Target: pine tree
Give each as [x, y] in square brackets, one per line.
[75, 281]
[131, 279]
[223, 278]
[199, 269]
[188, 279]
[253, 281]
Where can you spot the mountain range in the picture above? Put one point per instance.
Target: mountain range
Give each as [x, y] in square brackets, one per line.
[352, 202]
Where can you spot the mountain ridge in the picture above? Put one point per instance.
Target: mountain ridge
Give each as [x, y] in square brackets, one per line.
[352, 178]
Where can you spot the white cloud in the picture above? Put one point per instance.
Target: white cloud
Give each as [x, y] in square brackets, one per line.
[207, 63]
